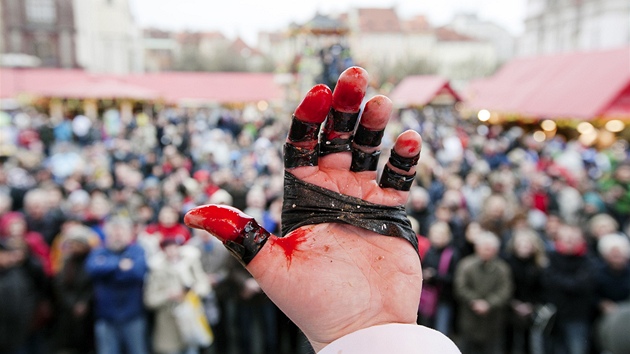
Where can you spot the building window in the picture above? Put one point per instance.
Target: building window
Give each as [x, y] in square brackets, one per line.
[41, 11]
[44, 46]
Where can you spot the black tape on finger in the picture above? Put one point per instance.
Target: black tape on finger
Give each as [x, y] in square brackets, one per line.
[337, 123]
[295, 156]
[403, 163]
[367, 137]
[334, 145]
[307, 204]
[254, 238]
[303, 131]
[393, 179]
[364, 161]
[341, 122]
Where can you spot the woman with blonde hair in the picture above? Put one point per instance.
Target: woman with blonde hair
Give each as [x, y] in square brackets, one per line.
[438, 269]
[526, 256]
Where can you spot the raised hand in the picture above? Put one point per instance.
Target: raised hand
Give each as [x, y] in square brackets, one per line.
[348, 259]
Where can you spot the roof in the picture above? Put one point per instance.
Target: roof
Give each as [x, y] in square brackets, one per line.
[322, 24]
[417, 24]
[420, 90]
[217, 87]
[579, 85]
[448, 35]
[240, 47]
[378, 20]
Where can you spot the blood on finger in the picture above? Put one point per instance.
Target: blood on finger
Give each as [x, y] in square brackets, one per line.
[408, 143]
[239, 232]
[315, 105]
[350, 90]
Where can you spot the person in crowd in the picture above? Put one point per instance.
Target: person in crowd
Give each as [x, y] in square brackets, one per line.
[169, 226]
[419, 208]
[616, 189]
[21, 278]
[13, 228]
[39, 215]
[527, 258]
[215, 262]
[567, 198]
[475, 191]
[613, 278]
[117, 270]
[483, 288]
[174, 272]
[549, 233]
[152, 193]
[438, 269]
[613, 330]
[98, 212]
[77, 205]
[569, 283]
[495, 216]
[73, 293]
[252, 303]
[445, 213]
[598, 226]
[13, 225]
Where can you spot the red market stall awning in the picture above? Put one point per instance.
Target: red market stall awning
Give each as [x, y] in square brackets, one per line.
[580, 85]
[173, 87]
[420, 90]
[212, 87]
[15, 82]
[101, 88]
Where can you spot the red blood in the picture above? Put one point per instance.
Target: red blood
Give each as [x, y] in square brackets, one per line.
[408, 144]
[290, 243]
[350, 90]
[224, 222]
[315, 105]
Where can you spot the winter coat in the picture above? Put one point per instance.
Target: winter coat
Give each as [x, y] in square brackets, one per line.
[117, 292]
[18, 300]
[166, 279]
[527, 278]
[444, 281]
[613, 285]
[569, 283]
[490, 281]
[73, 287]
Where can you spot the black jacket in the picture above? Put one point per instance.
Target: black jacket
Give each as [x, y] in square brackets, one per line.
[569, 283]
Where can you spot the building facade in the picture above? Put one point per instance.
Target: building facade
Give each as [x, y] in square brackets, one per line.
[555, 26]
[42, 29]
[387, 46]
[108, 39]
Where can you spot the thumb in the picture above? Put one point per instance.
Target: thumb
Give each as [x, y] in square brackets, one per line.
[239, 232]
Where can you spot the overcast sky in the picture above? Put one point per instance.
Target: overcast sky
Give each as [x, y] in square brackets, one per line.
[246, 17]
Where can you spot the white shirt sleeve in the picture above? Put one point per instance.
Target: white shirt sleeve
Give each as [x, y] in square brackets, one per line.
[393, 338]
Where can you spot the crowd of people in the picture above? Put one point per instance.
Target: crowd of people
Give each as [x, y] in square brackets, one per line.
[524, 245]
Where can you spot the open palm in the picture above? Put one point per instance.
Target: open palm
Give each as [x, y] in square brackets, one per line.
[332, 279]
